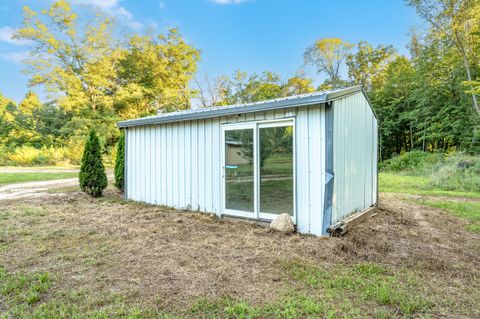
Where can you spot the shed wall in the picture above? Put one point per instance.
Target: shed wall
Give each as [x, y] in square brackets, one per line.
[178, 164]
[355, 140]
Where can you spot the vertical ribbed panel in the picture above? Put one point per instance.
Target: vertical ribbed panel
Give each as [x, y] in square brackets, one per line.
[354, 156]
[178, 164]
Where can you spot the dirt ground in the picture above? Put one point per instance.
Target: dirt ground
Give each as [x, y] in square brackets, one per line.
[170, 259]
[37, 189]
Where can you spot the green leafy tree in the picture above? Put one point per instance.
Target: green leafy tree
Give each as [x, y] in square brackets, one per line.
[457, 22]
[92, 177]
[120, 164]
[241, 88]
[99, 78]
[366, 66]
[328, 56]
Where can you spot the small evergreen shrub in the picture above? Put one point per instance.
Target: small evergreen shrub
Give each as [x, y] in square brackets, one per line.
[120, 163]
[92, 177]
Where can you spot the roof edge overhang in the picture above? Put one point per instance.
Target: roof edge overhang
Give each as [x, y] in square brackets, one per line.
[268, 105]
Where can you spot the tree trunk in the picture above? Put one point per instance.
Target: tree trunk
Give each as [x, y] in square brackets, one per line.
[469, 76]
[411, 137]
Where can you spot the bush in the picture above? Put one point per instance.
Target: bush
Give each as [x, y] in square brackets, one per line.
[412, 162]
[120, 163]
[455, 171]
[92, 177]
[458, 172]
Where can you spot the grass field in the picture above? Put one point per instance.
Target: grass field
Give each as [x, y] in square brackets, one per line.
[465, 205]
[9, 178]
[103, 258]
[416, 185]
[76, 257]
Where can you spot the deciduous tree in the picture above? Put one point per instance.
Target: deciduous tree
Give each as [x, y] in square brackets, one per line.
[328, 56]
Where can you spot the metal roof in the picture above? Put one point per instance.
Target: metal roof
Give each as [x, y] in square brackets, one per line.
[281, 103]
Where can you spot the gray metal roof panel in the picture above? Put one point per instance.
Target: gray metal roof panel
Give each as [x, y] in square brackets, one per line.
[203, 113]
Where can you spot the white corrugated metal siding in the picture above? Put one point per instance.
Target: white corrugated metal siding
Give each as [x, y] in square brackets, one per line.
[178, 164]
[355, 140]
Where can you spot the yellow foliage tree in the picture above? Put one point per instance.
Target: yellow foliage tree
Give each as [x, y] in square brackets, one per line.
[327, 56]
[99, 77]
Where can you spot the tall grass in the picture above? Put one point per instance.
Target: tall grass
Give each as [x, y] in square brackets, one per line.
[455, 171]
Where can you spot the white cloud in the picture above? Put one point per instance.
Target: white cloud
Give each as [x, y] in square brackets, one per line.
[113, 8]
[14, 57]
[125, 16]
[223, 2]
[6, 35]
[105, 4]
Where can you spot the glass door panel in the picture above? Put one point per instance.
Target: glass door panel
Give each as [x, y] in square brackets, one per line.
[276, 169]
[239, 170]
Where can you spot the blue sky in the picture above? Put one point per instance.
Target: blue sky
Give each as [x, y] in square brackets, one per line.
[251, 35]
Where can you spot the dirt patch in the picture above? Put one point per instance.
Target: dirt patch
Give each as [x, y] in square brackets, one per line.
[169, 259]
[38, 189]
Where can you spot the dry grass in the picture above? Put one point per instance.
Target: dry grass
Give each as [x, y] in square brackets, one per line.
[106, 253]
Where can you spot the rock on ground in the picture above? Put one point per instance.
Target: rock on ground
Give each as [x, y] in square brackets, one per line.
[283, 223]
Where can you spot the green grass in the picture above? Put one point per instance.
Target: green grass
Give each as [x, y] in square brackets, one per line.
[30, 295]
[19, 290]
[9, 178]
[363, 290]
[416, 185]
[469, 211]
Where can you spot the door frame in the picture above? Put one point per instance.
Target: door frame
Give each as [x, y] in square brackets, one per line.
[256, 125]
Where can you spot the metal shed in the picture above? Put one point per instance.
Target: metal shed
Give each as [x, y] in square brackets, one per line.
[313, 156]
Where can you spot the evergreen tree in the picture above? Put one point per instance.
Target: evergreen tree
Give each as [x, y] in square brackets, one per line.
[120, 163]
[93, 179]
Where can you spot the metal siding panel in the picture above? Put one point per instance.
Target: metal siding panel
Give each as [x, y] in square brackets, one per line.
[278, 114]
[140, 164]
[354, 155]
[188, 165]
[302, 174]
[129, 160]
[136, 178]
[315, 164]
[181, 165]
[151, 164]
[133, 163]
[195, 171]
[163, 159]
[169, 141]
[217, 180]
[290, 112]
[250, 117]
[175, 168]
[323, 146]
[270, 115]
[208, 166]
[201, 165]
[240, 118]
[259, 116]
[158, 182]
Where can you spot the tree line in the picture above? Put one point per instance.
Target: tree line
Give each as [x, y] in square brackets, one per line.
[95, 74]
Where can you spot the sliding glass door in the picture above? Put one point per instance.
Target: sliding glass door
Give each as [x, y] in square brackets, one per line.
[258, 169]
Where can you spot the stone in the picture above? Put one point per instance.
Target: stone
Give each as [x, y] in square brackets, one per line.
[283, 223]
